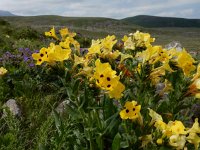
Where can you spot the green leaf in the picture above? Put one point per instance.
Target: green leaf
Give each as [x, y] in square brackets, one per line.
[111, 122]
[116, 142]
[76, 86]
[124, 144]
[57, 121]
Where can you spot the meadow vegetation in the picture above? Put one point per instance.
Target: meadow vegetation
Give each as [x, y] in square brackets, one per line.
[82, 89]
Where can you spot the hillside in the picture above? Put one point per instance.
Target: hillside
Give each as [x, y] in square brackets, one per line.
[93, 26]
[6, 13]
[154, 21]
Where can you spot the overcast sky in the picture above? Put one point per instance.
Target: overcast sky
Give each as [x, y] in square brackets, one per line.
[104, 8]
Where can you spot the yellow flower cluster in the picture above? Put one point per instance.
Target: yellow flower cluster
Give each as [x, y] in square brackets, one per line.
[104, 48]
[149, 64]
[137, 40]
[107, 79]
[175, 131]
[157, 55]
[58, 52]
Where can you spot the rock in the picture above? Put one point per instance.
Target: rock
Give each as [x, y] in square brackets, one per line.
[175, 44]
[13, 107]
[159, 87]
[62, 106]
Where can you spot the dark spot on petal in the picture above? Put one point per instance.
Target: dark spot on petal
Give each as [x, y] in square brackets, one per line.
[46, 52]
[97, 80]
[133, 109]
[40, 59]
[108, 78]
[41, 55]
[101, 76]
[108, 85]
[127, 111]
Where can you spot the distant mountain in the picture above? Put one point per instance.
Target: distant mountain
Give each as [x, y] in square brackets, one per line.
[154, 21]
[6, 13]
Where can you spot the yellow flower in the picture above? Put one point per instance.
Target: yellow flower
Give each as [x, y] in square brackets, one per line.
[95, 48]
[78, 60]
[125, 38]
[194, 88]
[193, 134]
[195, 127]
[64, 32]
[131, 110]
[107, 79]
[154, 116]
[138, 69]
[137, 40]
[116, 92]
[41, 57]
[103, 72]
[146, 139]
[70, 40]
[176, 127]
[159, 124]
[52, 33]
[59, 54]
[194, 139]
[107, 43]
[197, 75]
[3, 71]
[163, 56]
[159, 141]
[143, 39]
[129, 43]
[76, 45]
[177, 141]
[113, 55]
[150, 54]
[65, 43]
[185, 62]
[156, 75]
[125, 56]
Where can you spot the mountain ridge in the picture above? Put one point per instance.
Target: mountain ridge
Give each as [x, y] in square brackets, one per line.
[6, 13]
[157, 21]
[146, 21]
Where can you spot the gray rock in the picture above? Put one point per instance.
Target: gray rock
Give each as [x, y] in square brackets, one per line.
[13, 107]
[159, 87]
[175, 44]
[62, 106]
